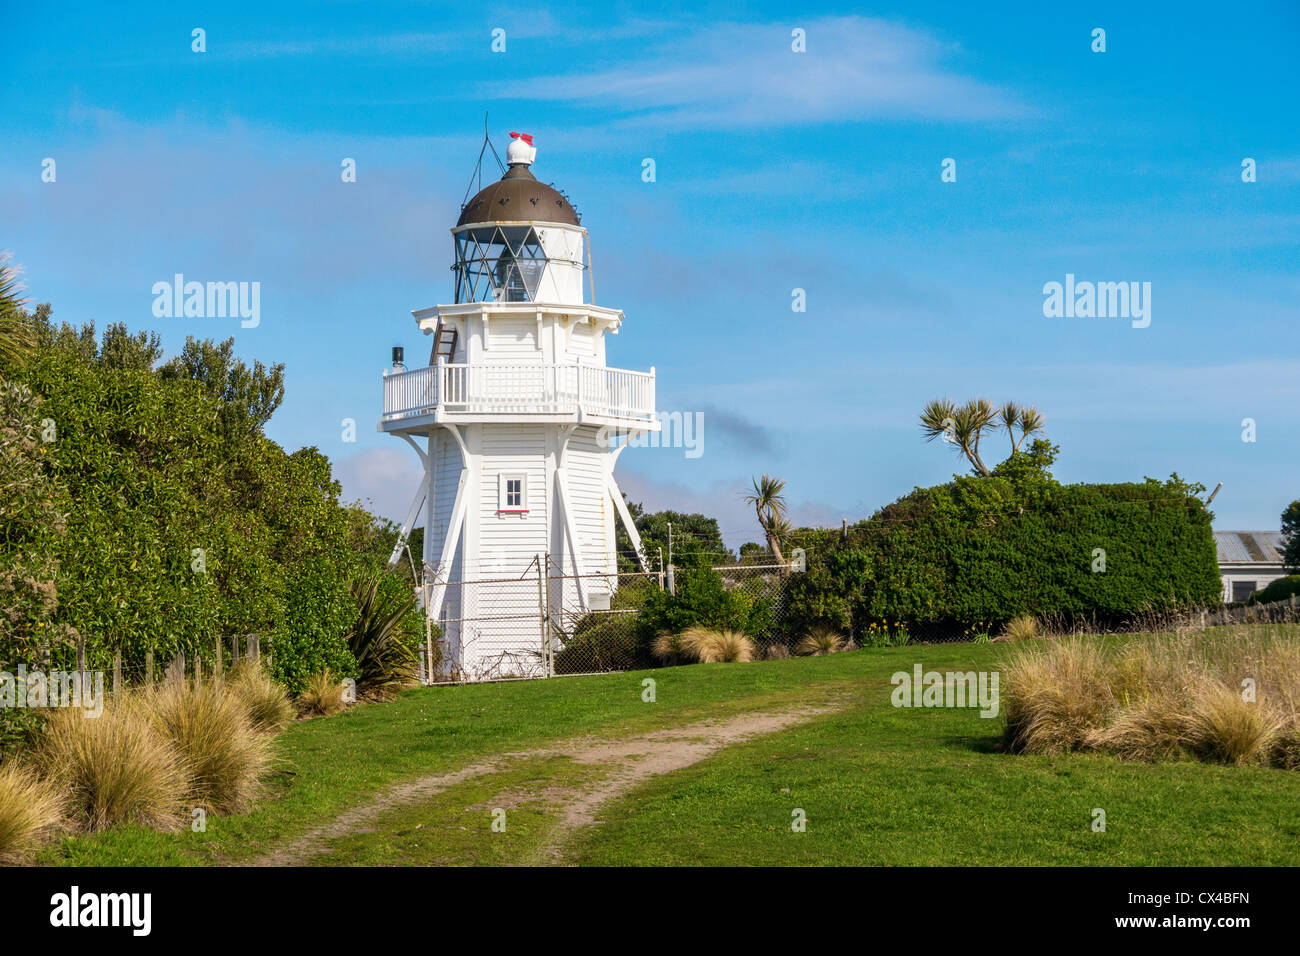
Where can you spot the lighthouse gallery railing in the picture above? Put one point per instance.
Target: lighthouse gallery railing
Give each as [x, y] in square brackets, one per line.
[520, 389]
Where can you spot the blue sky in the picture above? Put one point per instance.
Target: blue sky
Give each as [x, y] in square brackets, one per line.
[775, 170]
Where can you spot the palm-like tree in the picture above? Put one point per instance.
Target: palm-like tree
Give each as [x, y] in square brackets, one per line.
[15, 333]
[962, 425]
[1008, 415]
[768, 500]
[1031, 423]
[1026, 417]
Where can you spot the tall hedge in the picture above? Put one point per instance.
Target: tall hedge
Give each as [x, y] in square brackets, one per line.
[981, 550]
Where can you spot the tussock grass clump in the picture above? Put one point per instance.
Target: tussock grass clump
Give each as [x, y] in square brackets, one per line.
[323, 695]
[710, 646]
[1022, 628]
[224, 757]
[1223, 728]
[1149, 730]
[1054, 695]
[266, 703]
[669, 647]
[30, 810]
[1228, 695]
[819, 641]
[114, 769]
[1284, 751]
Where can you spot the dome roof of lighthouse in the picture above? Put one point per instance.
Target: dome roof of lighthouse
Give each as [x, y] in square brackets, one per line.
[519, 197]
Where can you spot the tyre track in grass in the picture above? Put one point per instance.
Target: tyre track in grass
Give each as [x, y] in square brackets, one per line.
[630, 761]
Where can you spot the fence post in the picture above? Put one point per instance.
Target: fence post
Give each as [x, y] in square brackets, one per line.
[234, 650]
[175, 672]
[427, 589]
[255, 647]
[198, 671]
[549, 634]
[148, 666]
[117, 670]
[541, 616]
[216, 660]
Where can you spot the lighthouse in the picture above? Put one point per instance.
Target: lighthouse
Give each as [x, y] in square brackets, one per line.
[518, 422]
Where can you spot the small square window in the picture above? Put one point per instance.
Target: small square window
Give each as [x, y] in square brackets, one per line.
[512, 493]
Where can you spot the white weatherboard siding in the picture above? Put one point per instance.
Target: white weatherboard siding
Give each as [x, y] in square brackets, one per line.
[593, 511]
[584, 539]
[446, 470]
[504, 606]
[583, 341]
[512, 338]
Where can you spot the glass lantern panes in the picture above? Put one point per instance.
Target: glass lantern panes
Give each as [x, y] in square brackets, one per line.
[498, 264]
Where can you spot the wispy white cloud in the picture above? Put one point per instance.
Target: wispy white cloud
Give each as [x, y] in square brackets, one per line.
[384, 479]
[736, 75]
[521, 25]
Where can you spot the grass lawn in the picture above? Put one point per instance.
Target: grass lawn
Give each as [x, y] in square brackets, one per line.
[878, 785]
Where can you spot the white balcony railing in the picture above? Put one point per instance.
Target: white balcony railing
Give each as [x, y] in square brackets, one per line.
[520, 389]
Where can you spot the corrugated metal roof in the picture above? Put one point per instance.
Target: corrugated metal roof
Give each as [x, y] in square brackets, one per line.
[1249, 547]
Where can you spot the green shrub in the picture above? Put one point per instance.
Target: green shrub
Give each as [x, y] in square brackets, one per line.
[603, 641]
[984, 550]
[830, 594]
[1279, 590]
[701, 598]
[188, 521]
[319, 612]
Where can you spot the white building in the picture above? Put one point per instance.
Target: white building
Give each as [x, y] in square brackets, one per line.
[518, 422]
[1248, 561]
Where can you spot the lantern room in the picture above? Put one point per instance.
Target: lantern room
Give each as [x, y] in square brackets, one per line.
[519, 240]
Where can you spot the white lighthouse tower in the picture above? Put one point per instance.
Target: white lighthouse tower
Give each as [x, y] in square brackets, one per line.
[518, 422]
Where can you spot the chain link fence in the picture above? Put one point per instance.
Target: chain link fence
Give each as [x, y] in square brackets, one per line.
[539, 621]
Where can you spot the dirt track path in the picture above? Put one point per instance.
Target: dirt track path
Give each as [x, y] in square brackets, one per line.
[630, 761]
